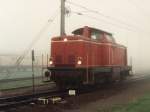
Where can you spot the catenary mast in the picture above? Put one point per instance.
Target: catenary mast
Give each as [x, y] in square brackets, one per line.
[62, 19]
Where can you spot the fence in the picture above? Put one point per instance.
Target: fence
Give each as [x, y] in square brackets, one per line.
[21, 74]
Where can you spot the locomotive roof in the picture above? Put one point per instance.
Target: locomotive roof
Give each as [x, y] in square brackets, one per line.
[80, 30]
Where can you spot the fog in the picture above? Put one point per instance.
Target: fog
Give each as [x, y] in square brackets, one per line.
[128, 20]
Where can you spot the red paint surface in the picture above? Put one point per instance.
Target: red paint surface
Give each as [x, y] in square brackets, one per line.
[93, 53]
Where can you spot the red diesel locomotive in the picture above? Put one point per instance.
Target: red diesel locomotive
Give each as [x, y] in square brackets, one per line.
[90, 56]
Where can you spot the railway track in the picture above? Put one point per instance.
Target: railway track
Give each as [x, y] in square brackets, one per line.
[18, 79]
[14, 101]
[113, 86]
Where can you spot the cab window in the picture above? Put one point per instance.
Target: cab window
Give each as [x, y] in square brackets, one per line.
[110, 38]
[96, 35]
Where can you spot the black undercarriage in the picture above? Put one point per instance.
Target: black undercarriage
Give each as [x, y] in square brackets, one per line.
[75, 77]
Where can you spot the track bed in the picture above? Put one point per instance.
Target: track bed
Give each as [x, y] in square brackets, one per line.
[103, 99]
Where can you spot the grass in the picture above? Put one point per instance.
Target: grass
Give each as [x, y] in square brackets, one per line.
[18, 84]
[140, 105]
[18, 74]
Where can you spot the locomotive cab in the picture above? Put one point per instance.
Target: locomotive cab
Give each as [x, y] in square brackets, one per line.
[89, 56]
[95, 34]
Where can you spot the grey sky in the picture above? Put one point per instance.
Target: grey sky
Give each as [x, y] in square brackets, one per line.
[21, 20]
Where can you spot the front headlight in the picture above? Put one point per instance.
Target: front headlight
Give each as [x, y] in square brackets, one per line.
[79, 62]
[50, 62]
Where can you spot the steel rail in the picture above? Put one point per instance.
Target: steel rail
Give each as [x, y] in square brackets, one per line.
[14, 101]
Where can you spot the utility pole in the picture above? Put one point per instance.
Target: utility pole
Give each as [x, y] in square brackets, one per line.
[62, 19]
[33, 83]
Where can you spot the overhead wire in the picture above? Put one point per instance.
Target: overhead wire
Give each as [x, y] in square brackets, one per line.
[101, 14]
[36, 38]
[118, 21]
[99, 20]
